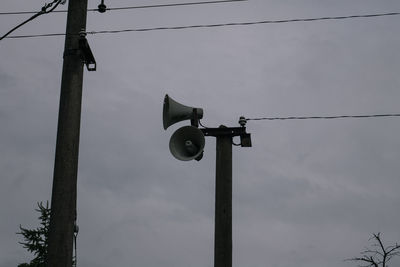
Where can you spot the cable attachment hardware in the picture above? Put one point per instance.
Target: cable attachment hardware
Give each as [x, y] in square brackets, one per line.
[102, 7]
[242, 121]
[76, 231]
[86, 52]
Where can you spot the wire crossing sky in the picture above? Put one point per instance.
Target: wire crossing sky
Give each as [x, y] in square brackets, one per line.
[37, 14]
[216, 25]
[135, 7]
[325, 117]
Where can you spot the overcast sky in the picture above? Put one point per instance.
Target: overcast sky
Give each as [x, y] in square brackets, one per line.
[307, 194]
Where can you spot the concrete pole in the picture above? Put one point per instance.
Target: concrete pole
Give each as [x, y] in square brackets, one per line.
[223, 202]
[63, 198]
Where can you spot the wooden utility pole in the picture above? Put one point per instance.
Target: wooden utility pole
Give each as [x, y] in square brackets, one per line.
[223, 203]
[223, 189]
[63, 198]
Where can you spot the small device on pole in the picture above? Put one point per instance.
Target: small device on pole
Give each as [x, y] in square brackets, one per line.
[188, 143]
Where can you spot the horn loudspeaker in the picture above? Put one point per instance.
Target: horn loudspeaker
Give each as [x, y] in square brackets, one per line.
[187, 143]
[174, 112]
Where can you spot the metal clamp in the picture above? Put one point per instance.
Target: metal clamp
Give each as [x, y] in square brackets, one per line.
[86, 53]
[245, 138]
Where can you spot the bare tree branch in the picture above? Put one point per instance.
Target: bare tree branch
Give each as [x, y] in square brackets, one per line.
[379, 255]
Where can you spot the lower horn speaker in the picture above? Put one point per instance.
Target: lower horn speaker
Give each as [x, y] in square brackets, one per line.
[187, 143]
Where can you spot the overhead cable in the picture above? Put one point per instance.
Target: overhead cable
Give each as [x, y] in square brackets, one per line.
[219, 25]
[135, 7]
[37, 14]
[326, 117]
[245, 23]
[172, 5]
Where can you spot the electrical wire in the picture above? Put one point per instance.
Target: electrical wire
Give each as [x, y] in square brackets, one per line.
[135, 7]
[233, 143]
[326, 117]
[41, 12]
[202, 125]
[218, 25]
[173, 5]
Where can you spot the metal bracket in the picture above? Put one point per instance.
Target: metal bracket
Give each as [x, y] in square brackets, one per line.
[86, 54]
[245, 138]
[194, 121]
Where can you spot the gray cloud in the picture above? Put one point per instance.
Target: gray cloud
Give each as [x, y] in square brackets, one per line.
[308, 193]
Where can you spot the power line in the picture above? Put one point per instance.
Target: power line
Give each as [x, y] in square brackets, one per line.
[35, 35]
[219, 25]
[245, 23]
[326, 117]
[172, 5]
[135, 7]
[41, 12]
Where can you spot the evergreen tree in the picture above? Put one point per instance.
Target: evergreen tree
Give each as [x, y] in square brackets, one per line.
[36, 240]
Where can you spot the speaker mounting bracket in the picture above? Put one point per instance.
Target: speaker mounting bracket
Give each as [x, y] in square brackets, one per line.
[194, 121]
[245, 138]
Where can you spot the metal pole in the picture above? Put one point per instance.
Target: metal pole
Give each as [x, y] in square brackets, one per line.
[223, 202]
[63, 199]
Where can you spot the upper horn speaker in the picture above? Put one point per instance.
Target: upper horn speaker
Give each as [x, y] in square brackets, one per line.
[174, 112]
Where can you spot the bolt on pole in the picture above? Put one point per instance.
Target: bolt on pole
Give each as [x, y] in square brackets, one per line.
[63, 199]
